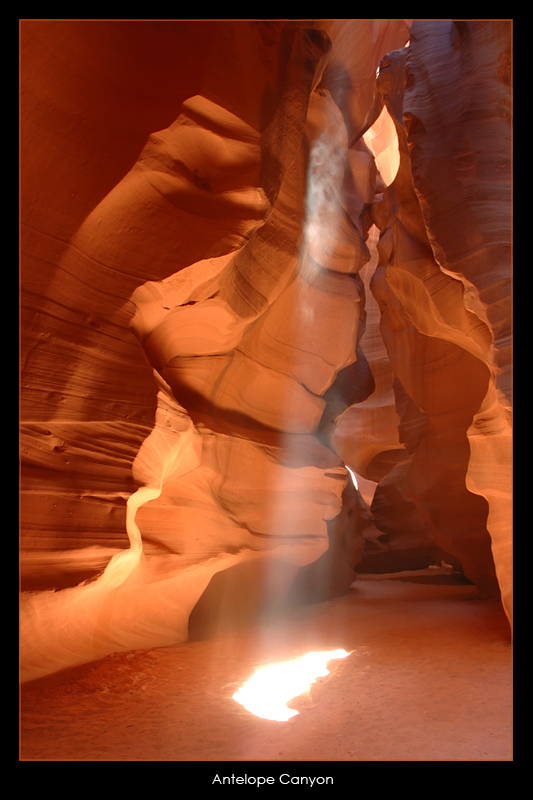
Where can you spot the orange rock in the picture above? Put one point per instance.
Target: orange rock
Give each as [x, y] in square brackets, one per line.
[202, 358]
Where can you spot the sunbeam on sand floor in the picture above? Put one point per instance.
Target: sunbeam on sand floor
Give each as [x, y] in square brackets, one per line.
[430, 681]
[268, 692]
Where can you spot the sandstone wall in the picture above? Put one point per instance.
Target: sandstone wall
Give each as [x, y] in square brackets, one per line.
[202, 357]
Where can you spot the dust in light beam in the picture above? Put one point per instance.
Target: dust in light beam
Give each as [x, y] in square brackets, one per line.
[268, 691]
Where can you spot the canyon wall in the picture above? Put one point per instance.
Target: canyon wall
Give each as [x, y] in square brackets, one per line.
[257, 258]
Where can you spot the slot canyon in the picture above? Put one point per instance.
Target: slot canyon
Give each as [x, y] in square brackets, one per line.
[265, 388]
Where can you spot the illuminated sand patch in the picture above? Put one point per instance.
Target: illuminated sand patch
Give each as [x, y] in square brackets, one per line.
[270, 688]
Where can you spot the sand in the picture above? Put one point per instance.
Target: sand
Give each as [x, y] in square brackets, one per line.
[429, 678]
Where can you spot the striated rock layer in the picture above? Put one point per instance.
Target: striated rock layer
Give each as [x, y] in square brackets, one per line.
[199, 369]
[443, 284]
[471, 236]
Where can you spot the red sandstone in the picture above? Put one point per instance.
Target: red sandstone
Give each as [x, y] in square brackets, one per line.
[253, 262]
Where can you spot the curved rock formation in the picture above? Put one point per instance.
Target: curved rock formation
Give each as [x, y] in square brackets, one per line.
[199, 367]
[442, 284]
[471, 235]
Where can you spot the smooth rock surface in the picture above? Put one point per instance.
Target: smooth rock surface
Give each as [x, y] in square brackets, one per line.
[212, 333]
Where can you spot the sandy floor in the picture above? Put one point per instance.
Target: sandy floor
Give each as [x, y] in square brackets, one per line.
[429, 679]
